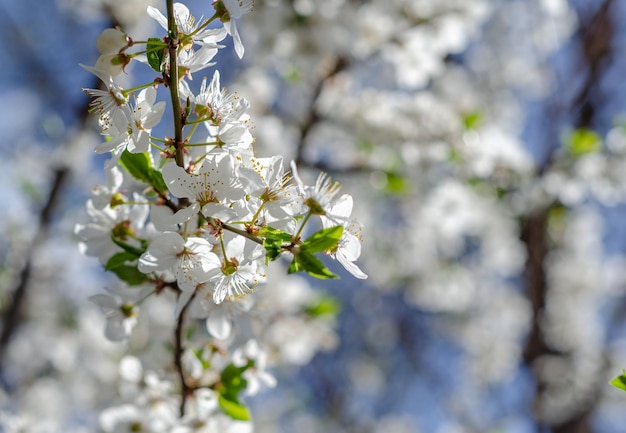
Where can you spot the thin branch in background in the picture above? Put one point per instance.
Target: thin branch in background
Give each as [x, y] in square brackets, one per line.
[597, 35]
[12, 315]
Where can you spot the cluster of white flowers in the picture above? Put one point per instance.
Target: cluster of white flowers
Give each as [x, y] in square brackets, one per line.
[202, 218]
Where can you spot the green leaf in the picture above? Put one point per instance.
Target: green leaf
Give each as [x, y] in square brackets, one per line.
[323, 240]
[234, 409]
[583, 141]
[307, 262]
[272, 250]
[295, 267]
[119, 259]
[232, 383]
[472, 119]
[130, 274]
[139, 165]
[155, 52]
[137, 252]
[157, 182]
[396, 184]
[271, 232]
[620, 381]
[273, 241]
[327, 305]
[232, 380]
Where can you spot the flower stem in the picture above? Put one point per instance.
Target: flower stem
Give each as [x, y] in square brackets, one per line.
[257, 213]
[127, 92]
[304, 221]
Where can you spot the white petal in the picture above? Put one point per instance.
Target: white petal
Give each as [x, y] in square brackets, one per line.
[351, 267]
[231, 28]
[158, 16]
[183, 298]
[219, 323]
[105, 302]
[130, 369]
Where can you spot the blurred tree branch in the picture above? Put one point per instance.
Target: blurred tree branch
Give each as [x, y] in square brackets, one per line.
[596, 35]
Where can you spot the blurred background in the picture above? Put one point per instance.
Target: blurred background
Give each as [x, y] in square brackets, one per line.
[484, 143]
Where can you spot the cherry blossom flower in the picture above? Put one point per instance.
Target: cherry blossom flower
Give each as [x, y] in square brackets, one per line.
[190, 260]
[135, 135]
[111, 43]
[348, 249]
[235, 9]
[125, 222]
[120, 309]
[239, 271]
[257, 376]
[321, 197]
[212, 188]
[265, 179]
[111, 104]
[187, 26]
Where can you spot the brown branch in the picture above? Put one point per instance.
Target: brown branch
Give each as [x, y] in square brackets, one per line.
[186, 389]
[596, 36]
[313, 118]
[12, 315]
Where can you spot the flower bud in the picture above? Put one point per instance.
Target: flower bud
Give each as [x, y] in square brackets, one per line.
[112, 41]
[113, 64]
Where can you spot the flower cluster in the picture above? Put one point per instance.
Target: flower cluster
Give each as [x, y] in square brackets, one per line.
[199, 214]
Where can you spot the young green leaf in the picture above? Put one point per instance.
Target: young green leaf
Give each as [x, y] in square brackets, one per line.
[307, 262]
[620, 381]
[232, 383]
[326, 306]
[139, 165]
[155, 52]
[129, 248]
[234, 409]
[583, 141]
[273, 241]
[129, 274]
[272, 233]
[323, 240]
[119, 259]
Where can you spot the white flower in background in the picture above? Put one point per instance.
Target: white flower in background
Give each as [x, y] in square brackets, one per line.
[220, 318]
[204, 416]
[154, 409]
[101, 195]
[120, 309]
[190, 260]
[124, 222]
[256, 375]
[122, 418]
